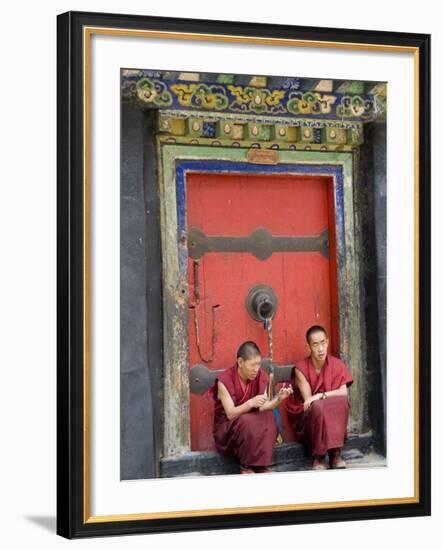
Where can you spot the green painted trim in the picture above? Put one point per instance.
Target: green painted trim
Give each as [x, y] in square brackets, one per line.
[261, 130]
[170, 152]
[176, 435]
[238, 144]
[177, 425]
[265, 119]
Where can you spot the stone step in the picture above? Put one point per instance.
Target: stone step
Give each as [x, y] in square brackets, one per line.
[286, 457]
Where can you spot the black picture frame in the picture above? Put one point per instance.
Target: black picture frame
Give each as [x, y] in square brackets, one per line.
[73, 517]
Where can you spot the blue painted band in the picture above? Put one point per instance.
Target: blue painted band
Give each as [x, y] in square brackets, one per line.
[182, 167]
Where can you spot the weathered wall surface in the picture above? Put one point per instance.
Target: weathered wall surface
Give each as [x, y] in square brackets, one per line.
[139, 391]
[371, 210]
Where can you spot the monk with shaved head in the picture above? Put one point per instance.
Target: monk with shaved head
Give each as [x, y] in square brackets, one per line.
[319, 406]
[244, 423]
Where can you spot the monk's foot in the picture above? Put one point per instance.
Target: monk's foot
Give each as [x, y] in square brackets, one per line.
[319, 463]
[262, 470]
[336, 460]
[245, 470]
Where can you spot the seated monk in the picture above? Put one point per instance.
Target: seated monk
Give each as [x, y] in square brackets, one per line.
[319, 407]
[244, 423]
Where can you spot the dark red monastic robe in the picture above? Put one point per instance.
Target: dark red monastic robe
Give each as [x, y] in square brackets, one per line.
[251, 436]
[324, 425]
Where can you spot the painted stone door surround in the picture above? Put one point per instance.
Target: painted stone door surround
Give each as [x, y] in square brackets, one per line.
[175, 162]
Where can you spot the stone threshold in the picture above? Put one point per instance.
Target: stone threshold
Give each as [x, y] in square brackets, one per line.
[286, 457]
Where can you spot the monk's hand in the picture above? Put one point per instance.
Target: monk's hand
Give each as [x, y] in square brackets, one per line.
[308, 402]
[284, 392]
[258, 401]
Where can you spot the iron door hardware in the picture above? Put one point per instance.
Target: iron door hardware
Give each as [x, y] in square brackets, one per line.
[261, 243]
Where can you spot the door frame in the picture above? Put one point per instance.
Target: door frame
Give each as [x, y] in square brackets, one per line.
[176, 161]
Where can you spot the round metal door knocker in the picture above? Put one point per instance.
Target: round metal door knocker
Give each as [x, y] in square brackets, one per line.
[262, 303]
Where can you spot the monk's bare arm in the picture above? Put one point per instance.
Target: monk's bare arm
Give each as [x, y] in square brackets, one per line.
[233, 412]
[340, 392]
[303, 385]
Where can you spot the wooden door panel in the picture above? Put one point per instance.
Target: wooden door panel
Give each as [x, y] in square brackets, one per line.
[236, 205]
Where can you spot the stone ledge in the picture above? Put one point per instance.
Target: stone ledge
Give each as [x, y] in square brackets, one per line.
[286, 457]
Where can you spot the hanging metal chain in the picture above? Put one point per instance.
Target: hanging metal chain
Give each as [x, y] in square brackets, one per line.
[196, 286]
[271, 392]
[271, 384]
[196, 280]
[197, 334]
[270, 333]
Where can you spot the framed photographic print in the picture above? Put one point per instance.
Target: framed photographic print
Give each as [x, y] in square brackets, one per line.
[243, 274]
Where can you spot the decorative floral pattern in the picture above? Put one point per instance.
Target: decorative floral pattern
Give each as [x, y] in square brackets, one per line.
[154, 91]
[256, 100]
[201, 96]
[355, 106]
[291, 83]
[310, 103]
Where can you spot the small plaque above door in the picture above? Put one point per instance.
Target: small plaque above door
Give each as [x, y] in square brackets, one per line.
[262, 156]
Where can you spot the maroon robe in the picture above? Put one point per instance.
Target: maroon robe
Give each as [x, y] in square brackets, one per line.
[251, 436]
[324, 425]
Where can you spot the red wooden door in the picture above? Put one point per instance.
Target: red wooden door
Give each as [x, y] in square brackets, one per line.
[305, 282]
